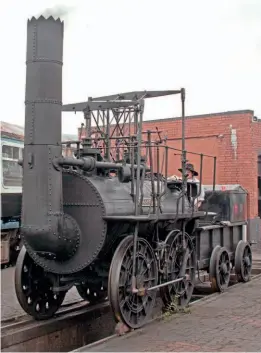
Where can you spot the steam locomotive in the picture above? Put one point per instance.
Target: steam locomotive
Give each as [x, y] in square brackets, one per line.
[108, 220]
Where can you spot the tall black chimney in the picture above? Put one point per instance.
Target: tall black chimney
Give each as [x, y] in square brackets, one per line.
[43, 223]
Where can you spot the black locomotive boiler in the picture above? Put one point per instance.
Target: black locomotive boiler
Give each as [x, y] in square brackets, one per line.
[106, 220]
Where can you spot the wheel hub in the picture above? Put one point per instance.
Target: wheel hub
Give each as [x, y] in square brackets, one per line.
[247, 261]
[223, 268]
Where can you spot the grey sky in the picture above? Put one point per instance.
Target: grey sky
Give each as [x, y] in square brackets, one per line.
[212, 48]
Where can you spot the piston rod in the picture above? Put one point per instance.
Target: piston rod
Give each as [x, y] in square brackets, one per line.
[144, 290]
[167, 283]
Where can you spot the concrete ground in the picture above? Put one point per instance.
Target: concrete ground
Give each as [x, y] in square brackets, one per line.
[257, 255]
[9, 305]
[229, 322]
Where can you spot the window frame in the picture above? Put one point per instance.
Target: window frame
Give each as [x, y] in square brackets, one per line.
[11, 143]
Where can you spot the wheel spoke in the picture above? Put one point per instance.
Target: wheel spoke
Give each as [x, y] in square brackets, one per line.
[149, 279]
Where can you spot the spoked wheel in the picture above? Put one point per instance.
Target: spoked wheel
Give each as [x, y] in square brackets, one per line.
[131, 308]
[93, 293]
[243, 261]
[183, 290]
[34, 289]
[219, 269]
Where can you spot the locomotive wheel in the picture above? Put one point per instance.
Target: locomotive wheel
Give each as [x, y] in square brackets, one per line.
[212, 267]
[131, 308]
[91, 293]
[34, 289]
[183, 290]
[243, 261]
[219, 269]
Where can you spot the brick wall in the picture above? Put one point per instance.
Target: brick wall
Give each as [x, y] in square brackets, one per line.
[232, 137]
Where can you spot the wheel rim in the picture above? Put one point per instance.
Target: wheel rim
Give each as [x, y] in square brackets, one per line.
[222, 269]
[247, 262]
[182, 290]
[133, 309]
[243, 261]
[212, 268]
[34, 289]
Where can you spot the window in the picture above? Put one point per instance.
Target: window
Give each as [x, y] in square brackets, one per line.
[15, 153]
[12, 171]
[11, 152]
[7, 151]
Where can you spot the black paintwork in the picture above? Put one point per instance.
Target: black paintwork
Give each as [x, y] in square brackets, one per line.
[44, 227]
[11, 204]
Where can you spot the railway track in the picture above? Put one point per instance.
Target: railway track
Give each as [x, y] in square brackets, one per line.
[80, 325]
[74, 325]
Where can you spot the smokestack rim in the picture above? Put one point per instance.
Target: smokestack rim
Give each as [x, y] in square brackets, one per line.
[41, 17]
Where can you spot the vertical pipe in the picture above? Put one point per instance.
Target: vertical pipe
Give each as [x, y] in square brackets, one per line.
[158, 180]
[117, 133]
[166, 167]
[201, 170]
[139, 137]
[183, 161]
[184, 179]
[87, 117]
[42, 183]
[132, 167]
[151, 171]
[137, 209]
[108, 141]
[214, 173]
[244, 232]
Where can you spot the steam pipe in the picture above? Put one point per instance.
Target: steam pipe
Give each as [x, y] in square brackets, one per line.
[89, 164]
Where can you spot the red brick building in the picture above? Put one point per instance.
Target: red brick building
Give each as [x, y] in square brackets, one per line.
[234, 137]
